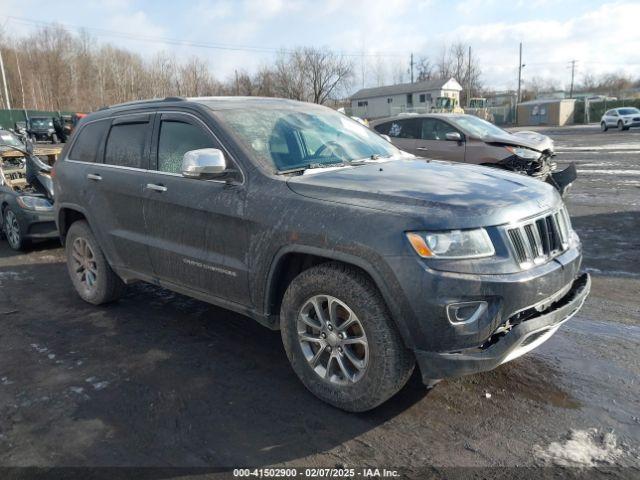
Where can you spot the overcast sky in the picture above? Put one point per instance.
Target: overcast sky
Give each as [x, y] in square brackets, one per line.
[601, 36]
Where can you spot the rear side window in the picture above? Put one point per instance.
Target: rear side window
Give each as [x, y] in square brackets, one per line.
[176, 139]
[126, 145]
[86, 147]
[409, 128]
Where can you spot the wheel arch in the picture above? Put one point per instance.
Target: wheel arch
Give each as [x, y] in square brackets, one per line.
[66, 216]
[292, 260]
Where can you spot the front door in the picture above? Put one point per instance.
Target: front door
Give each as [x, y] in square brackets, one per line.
[433, 142]
[198, 236]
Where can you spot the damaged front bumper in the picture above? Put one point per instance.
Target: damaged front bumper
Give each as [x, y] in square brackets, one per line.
[509, 342]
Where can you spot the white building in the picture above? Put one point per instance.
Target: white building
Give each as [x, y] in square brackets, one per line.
[405, 97]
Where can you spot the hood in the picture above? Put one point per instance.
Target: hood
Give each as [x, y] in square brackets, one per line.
[532, 140]
[442, 194]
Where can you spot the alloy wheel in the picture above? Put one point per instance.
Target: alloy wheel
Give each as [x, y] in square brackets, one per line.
[12, 229]
[333, 340]
[84, 264]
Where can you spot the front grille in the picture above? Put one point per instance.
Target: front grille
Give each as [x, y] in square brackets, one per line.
[539, 239]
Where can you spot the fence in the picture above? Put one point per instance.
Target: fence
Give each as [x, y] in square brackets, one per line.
[597, 109]
[8, 118]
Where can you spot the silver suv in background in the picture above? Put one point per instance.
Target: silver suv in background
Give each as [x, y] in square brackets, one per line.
[621, 118]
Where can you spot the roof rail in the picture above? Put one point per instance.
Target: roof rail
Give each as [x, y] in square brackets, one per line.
[142, 102]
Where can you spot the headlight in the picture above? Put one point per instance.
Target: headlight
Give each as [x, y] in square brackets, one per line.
[525, 153]
[452, 244]
[35, 203]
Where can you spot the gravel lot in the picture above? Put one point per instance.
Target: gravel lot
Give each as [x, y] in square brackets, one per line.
[161, 380]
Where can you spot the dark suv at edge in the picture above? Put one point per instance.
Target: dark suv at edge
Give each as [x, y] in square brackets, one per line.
[367, 260]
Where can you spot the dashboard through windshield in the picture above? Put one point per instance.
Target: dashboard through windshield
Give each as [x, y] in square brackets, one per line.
[287, 139]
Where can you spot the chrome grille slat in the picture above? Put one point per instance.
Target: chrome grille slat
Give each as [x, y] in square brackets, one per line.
[539, 239]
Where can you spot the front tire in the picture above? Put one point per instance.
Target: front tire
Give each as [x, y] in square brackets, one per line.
[54, 139]
[12, 230]
[620, 126]
[90, 273]
[341, 340]
[603, 127]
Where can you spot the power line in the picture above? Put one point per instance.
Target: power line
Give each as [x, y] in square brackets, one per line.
[181, 42]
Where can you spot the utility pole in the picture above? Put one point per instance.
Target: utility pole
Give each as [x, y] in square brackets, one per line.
[4, 81]
[573, 71]
[519, 81]
[237, 84]
[21, 84]
[469, 79]
[411, 64]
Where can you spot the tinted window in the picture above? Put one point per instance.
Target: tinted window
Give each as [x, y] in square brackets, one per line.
[86, 147]
[400, 128]
[433, 129]
[177, 138]
[126, 145]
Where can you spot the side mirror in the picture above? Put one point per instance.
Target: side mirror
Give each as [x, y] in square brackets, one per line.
[454, 136]
[204, 163]
[386, 137]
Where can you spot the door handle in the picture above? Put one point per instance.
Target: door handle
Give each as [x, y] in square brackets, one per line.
[157, 188]
[422, 148]
[94, 176]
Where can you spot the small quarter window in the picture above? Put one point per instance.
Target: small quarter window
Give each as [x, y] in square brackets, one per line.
[85, 149]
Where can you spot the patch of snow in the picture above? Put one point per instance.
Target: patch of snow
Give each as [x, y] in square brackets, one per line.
[51, 356]
[487, 395]
[6, 381]
[611, 172]
[609, 146]
[38, 348]
[100, 385]
[77, 390]
[582, 448]
[612, 273]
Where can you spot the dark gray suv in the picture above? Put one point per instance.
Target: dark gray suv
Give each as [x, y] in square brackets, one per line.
[367, 259]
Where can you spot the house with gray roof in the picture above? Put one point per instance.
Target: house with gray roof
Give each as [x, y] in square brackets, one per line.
[390, 100]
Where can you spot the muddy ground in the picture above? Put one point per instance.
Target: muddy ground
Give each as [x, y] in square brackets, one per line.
[161, 380]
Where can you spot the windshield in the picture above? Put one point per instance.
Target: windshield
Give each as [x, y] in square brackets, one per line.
[41, 123]
[289, 139]
[477, 127]
[628, 111]
[8, 138]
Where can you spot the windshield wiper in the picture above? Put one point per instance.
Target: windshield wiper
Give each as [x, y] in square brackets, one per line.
[372, 158]
[302, 168]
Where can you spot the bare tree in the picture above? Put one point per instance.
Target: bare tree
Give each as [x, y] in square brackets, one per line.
[327, 73]
[426, 70]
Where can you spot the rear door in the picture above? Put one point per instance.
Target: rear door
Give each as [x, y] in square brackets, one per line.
[117, 185]
[403, 132]
[433, 142]
[197, 227]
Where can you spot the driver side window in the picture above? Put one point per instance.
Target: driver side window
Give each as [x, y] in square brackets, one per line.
[177, 138]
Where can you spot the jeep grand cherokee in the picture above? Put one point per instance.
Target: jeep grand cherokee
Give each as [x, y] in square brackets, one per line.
[367, 259]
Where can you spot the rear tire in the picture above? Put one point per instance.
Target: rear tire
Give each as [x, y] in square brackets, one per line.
[90, 273]
[370, 363]
[603, 127]
[620, 126]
